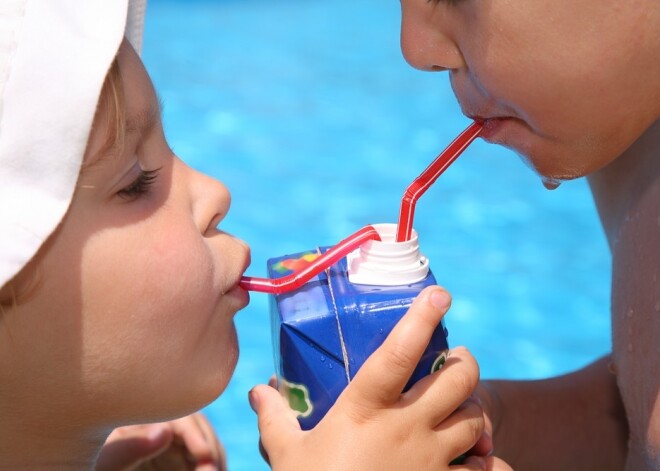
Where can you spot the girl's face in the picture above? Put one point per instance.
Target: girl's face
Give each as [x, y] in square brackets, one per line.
[132, 317]
[568, 85]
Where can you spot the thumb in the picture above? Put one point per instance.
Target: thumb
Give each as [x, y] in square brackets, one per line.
[128, 447]
[277, 423]
[381, 379]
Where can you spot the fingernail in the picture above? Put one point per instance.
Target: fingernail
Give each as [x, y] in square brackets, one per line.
[155, 432]
[468, 402]
[253, 399]
[489, 443]
[206, 465]
[440, 299]
[476, 399]
[476, 460]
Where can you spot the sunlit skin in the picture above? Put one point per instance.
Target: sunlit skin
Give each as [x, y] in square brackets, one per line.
[560, 83]
[574, 89]
[98, 329]
[125, 316]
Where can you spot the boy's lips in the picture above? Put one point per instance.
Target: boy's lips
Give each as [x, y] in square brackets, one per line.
[494, 127]
[493, 117]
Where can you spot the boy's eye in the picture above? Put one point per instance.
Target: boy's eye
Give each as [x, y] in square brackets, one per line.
[140, 185]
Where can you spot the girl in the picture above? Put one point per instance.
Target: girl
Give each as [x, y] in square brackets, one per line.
[118, 290]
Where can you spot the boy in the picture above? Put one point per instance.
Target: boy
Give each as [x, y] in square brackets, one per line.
[574, 88]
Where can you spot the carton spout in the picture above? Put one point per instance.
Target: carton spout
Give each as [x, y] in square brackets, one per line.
[387, 262]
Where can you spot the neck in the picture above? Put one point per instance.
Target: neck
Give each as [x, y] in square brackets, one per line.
[618, 187]
[26, 444]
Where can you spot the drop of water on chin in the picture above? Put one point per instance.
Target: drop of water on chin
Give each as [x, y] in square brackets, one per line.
[551, 183]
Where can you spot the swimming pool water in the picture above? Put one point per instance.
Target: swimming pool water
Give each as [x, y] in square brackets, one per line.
[307, 111]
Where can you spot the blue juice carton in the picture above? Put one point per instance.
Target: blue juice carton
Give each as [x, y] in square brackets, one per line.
[325, 330]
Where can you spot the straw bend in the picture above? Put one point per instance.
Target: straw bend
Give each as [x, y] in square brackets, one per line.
[429, 176]
[302, 276]
[352, 242]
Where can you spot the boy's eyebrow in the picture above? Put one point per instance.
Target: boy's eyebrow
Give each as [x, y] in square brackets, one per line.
[139, 124]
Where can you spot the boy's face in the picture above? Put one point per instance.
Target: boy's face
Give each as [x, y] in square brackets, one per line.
[568, 85]
[133, 314]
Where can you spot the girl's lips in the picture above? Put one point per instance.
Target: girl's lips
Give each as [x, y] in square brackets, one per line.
[240, 298]
[239, 293]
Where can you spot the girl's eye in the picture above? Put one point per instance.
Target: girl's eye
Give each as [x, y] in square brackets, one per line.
[140, 186]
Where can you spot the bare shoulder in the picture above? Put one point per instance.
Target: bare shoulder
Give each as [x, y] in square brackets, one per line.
[636, 320]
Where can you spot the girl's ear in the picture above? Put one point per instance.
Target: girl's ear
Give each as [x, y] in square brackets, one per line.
[20, 288]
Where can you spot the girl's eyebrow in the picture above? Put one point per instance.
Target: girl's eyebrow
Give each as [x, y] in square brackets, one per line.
[145, 119]
[138, 124]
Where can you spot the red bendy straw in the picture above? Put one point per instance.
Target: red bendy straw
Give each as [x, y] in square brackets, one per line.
[299, 278]
[429, 176]
[352, 242]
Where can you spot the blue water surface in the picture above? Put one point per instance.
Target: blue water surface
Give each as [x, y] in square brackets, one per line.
[307, 111]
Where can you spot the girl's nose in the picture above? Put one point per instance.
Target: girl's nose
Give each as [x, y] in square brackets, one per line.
[425, 41]
[210, 201]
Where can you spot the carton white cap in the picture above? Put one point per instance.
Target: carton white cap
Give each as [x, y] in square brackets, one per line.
[387, 262]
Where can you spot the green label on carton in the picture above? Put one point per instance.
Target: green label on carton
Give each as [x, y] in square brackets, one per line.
[298, 397]
[439, 361]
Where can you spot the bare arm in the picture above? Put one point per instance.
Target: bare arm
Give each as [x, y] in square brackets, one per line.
[572, 422]
[627, 194]
[636, 314]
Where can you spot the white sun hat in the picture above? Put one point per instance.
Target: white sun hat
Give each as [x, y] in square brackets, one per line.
[54, 55]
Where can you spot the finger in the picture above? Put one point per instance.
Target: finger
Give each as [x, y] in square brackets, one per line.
[485, 395]
[198, 443]
[460, 431]
[213, 446]
[264, 453]
[381, 379]
[436, 396]
[218, 452]
[468, 467]
[174, 457]
[128, 447]
[490, 463]
[190, 437]
[272, 382]
[207, 465]
[484, 446]
[277, 424]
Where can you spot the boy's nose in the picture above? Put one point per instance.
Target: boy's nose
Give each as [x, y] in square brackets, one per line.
[424, 42]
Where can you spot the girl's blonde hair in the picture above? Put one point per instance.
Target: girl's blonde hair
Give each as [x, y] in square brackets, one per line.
[112, 102]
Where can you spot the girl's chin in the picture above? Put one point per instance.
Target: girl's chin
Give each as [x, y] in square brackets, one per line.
[211, 379]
